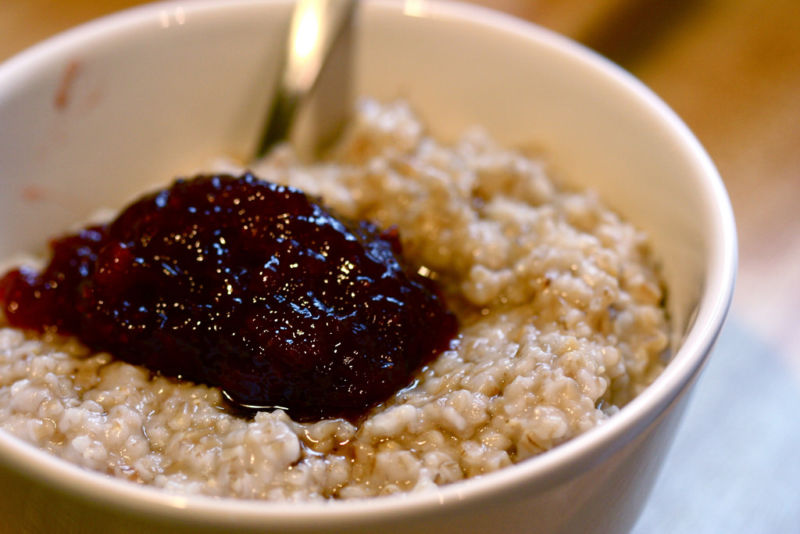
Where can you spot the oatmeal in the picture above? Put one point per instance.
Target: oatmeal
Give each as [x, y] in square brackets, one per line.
[561, 324]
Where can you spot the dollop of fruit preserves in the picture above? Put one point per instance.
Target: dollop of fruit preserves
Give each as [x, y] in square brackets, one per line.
[245, 285]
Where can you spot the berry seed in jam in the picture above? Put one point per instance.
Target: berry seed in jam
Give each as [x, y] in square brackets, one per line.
[245, 285]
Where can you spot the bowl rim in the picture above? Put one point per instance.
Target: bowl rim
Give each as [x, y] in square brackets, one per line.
[555, 465]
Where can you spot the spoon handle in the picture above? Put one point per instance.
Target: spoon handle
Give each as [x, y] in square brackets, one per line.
[313, 98]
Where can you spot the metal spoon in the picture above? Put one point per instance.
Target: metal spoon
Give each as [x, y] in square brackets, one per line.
[313, 98]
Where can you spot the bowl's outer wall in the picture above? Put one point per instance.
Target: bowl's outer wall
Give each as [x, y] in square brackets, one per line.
[82, 129]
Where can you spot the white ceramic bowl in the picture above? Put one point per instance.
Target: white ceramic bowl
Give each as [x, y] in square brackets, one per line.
[94, 116]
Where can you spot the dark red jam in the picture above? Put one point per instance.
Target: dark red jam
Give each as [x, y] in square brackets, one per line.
[245, 285]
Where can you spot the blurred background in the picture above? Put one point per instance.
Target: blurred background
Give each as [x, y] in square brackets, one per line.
[731, 70]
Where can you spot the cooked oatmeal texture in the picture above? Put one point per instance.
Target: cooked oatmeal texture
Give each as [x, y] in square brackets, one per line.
[562, 323]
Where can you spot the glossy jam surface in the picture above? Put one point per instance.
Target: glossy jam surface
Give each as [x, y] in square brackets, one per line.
[245, 285]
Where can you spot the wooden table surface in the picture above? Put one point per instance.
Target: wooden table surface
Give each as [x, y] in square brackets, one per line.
[731, 70]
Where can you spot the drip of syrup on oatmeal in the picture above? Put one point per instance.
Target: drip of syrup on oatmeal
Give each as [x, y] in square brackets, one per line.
[245, 285]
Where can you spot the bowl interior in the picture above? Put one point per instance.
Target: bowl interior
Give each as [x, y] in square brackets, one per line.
[97, 115]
